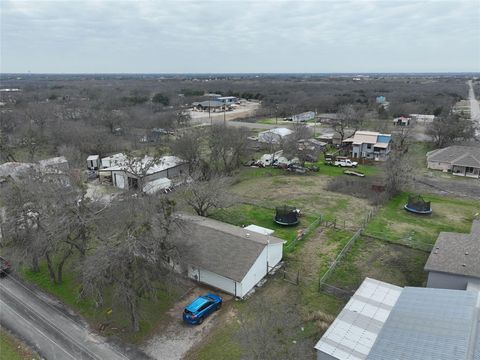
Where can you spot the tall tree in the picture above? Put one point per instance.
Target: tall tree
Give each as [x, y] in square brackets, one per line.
[348, 117]
[133, 254]
[447, 129]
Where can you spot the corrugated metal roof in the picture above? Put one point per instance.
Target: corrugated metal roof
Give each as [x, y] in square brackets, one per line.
[429, 323]
[354, 331]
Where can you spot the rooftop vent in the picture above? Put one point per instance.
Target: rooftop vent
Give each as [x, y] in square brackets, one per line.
[466, 252]
[464, 265]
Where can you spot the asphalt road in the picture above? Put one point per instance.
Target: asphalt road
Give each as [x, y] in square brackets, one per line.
[40, 322]
[474, 108]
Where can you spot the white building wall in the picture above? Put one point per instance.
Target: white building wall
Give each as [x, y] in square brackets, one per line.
[218, 281]
[434, 165]
[449, 281]
[255, 274]
[119, 179]
[275, 254]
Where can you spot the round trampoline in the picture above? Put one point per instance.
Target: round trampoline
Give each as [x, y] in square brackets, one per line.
[417, 205]
[286, 215]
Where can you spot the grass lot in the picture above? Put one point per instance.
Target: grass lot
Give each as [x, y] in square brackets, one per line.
[68, 292]
[273, 121]
[396, 224]
[395, 264]
[246, 214]
[274, 187]
[12, 349]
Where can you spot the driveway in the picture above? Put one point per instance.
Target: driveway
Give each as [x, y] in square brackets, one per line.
[174, 341]
[51, 329]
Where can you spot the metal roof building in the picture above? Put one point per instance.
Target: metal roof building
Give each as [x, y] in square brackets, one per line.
[435, 324]
[385, 322]
[354, 331]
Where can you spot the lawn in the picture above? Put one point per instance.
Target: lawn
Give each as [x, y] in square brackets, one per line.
[395, 224]
[152, 311]
[330, 170]
[272, 187]
[246, 214]
[12, 349]
[392, 263]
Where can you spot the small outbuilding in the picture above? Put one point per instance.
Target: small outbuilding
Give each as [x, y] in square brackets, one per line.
[93, 162]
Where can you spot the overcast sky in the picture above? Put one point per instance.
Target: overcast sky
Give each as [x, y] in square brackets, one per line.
[239, 36]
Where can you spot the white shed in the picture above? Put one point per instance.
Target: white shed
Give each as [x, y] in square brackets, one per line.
[275, 135]
[224, 256]
[93, 162]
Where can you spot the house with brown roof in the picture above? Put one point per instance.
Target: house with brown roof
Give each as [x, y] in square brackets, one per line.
[224, 256]
[459, 160]
[454, 262]
[369, 145]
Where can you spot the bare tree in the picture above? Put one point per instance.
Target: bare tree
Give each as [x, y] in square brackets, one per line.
[292, 147]
[348, 117]
[204, 196]
[134, 253]
[228, 145]
[398, 168]
[266, 336]
[188, 147]
[447, 129]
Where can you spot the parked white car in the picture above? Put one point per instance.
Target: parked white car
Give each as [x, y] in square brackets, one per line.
[345, 163]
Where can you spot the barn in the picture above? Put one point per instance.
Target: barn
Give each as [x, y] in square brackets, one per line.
[224, 256]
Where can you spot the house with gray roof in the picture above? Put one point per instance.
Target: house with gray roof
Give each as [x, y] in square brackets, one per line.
[459, 160]
[385, 322]
[454, 262]
[227, 257]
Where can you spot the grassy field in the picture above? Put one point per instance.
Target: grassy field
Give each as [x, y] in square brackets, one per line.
[246, 214]
[152, 311]
[272, 187]
[12, 349]
[395, 264]
[396, 224]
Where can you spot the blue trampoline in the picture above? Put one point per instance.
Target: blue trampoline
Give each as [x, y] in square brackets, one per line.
[417, 205]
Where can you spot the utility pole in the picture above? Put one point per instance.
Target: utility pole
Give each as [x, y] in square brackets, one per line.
[224, 115]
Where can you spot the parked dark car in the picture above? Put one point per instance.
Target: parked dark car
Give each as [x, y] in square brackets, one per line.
[201, 307]
[5, 267]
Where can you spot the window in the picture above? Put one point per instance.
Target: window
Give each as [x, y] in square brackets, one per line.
[469, 170]
[369, 146]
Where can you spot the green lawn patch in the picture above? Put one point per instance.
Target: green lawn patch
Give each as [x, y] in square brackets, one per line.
[12, 349]
[152, 311]
[392, 263]
[246, 214]
[394, 223]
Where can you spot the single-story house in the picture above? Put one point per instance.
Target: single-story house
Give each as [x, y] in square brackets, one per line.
[369, 145]
[459, 160]
[227, 257]
[333, 138]
[113, 160]
[15, 170]
[210, 105]
[402, 121]
[275, 135]
[422, 118]
[228, 100]
[58, 163]
[305, 116]
[125, 174]
[382, 321]
[455, 260]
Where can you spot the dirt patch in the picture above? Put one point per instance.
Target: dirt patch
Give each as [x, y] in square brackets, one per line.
[177, 338]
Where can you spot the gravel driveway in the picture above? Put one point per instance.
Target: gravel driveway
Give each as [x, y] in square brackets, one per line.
[177, 338]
